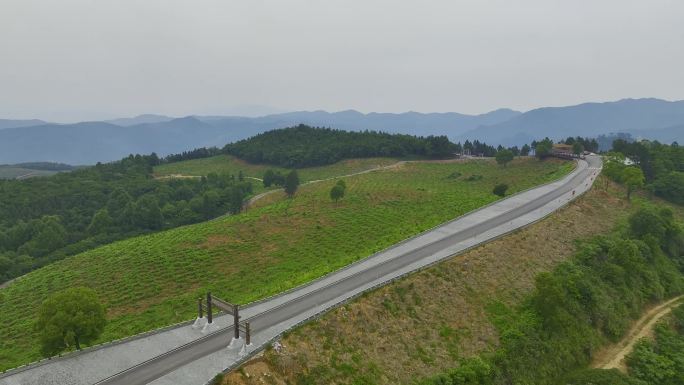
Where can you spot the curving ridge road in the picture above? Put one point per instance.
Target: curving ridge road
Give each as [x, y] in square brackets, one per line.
[197, 361]
[279, 310]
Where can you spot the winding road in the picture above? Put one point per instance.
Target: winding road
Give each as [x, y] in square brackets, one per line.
[197, 361]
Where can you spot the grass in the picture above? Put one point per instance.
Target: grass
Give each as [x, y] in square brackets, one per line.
[423, 324]
[11, 172]
[232, 165]
[154, 280]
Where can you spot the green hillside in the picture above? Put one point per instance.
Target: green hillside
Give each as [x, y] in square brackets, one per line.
[154, 280]
[12, 172]
[306, 146]
[33, 169]
[232, 165]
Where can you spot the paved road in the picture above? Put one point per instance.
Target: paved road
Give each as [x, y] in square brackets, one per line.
[168, 362]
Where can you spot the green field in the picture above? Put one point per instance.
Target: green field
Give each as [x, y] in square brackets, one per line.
[12, 172]
[231, 165]
[154, 280]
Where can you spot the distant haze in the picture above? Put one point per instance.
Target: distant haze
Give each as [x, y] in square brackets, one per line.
[91, 142]
[76, 60]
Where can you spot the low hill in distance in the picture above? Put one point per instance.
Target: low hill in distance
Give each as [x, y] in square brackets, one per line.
[92, 142]
[140, 119]
[305, 146]
[30, 170]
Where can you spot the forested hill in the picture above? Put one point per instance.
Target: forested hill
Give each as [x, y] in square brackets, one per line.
[305, 146]
[45, 219]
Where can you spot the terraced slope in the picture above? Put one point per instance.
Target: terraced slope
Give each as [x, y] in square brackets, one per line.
[154, 280]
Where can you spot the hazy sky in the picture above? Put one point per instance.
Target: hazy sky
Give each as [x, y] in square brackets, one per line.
[91, 59]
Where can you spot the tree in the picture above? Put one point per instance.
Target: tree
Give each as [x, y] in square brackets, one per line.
[269, 175]
[671, 187]
[48, 235]
[291, 183]
[525, 150]
[439, 147]
[101, 222]
[614, 166]
[342, 183]
[504, 156]
[145, 213]
[337, 192]
[68, 319]
[500, 189]
[577, 148]
[647, 365]
[633, 178]
[543, 148]
[117, 203]
[647, 222]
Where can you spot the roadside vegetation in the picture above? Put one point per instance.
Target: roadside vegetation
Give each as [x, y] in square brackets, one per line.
[659, 168]
[69, 318]
[528, 308]
[583, 303]
[154, 280]
[420, 325]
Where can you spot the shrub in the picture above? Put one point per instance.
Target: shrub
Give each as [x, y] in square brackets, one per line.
[500, 189]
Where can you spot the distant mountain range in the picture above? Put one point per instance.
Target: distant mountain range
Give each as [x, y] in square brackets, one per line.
[647, 118]
[10, 123]
[91, 142]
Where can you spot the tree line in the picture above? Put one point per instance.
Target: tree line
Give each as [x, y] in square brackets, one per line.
[46, 219]
[305, 146]
[657, 167]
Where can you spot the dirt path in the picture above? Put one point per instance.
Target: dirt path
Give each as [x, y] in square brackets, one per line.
[255, 198]
[177, 176]
[613, 356]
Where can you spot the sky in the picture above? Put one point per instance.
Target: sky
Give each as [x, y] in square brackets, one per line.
[72, 60]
